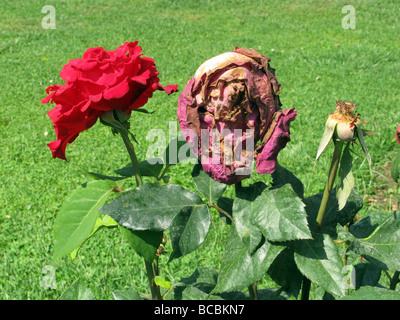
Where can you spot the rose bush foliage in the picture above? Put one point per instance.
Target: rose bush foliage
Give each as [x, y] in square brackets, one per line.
[231, 102]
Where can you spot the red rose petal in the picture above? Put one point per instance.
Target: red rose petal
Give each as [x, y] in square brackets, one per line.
[117, 91]
[169, 89]
[266, 161]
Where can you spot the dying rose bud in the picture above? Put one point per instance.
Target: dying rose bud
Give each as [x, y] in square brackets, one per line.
[398, 134]
[343, 125]
[230, 114]
[345, 119]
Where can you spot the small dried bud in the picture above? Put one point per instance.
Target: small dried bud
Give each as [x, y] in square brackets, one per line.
[343, 125]
[346, 120]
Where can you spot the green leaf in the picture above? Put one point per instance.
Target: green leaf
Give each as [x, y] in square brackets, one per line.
[141, 110]
[77, 291]
[145, 243]
[225, 204]
[101, 222]
[319, 261]
[280, 215]
[188, 230]
[282, 176]
[104, 177]
[364, 227]
[345, 178]
[208, 187]
[333, 216]
[360, 137]
[372, 293]
[162, 282]
[77, 216]
[243, 211]
[200, 284]
[330, 127]
[194, 293]
[104, 221]
[272, 294]
[150, 168]
[177, 150]
[382, 247]
[284, 272]
[367, 274]
[239, 269]
[344, 235]
[203, 278]
[126, 295]
[147, 168]
[151, 206]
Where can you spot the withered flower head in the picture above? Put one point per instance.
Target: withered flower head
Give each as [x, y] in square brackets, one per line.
[345, 120]
[343, 125]
[230, 114]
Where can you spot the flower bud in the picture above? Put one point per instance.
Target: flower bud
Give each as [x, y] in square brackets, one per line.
[344, 131]
[346, 120]
[343, 125]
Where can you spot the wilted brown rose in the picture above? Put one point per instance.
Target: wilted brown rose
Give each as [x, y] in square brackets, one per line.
[230, 114]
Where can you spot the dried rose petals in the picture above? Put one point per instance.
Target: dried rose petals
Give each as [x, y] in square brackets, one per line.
[230, 114]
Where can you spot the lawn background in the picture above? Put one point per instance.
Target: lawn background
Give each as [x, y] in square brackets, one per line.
[317, 63]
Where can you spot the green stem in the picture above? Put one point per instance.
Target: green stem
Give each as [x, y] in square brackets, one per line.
[253, 287]
[131, 150]
[305, 291]
[253, 291]
[394, 280]
[221, 210]
[163, 172]
[329, 184]
[151, 268]
[278, 292]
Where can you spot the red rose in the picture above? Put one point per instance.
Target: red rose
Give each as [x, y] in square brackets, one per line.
[100, 81]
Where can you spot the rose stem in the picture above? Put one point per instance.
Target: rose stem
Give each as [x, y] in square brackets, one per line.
[253, 287]
[131, 150]
[163, 172]
[324, 204]
[253, 291]
[394, 280]
[151, 268]
[329, 184]
[221, 210]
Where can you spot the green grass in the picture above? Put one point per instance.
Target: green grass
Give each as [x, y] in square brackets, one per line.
[317, 62]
